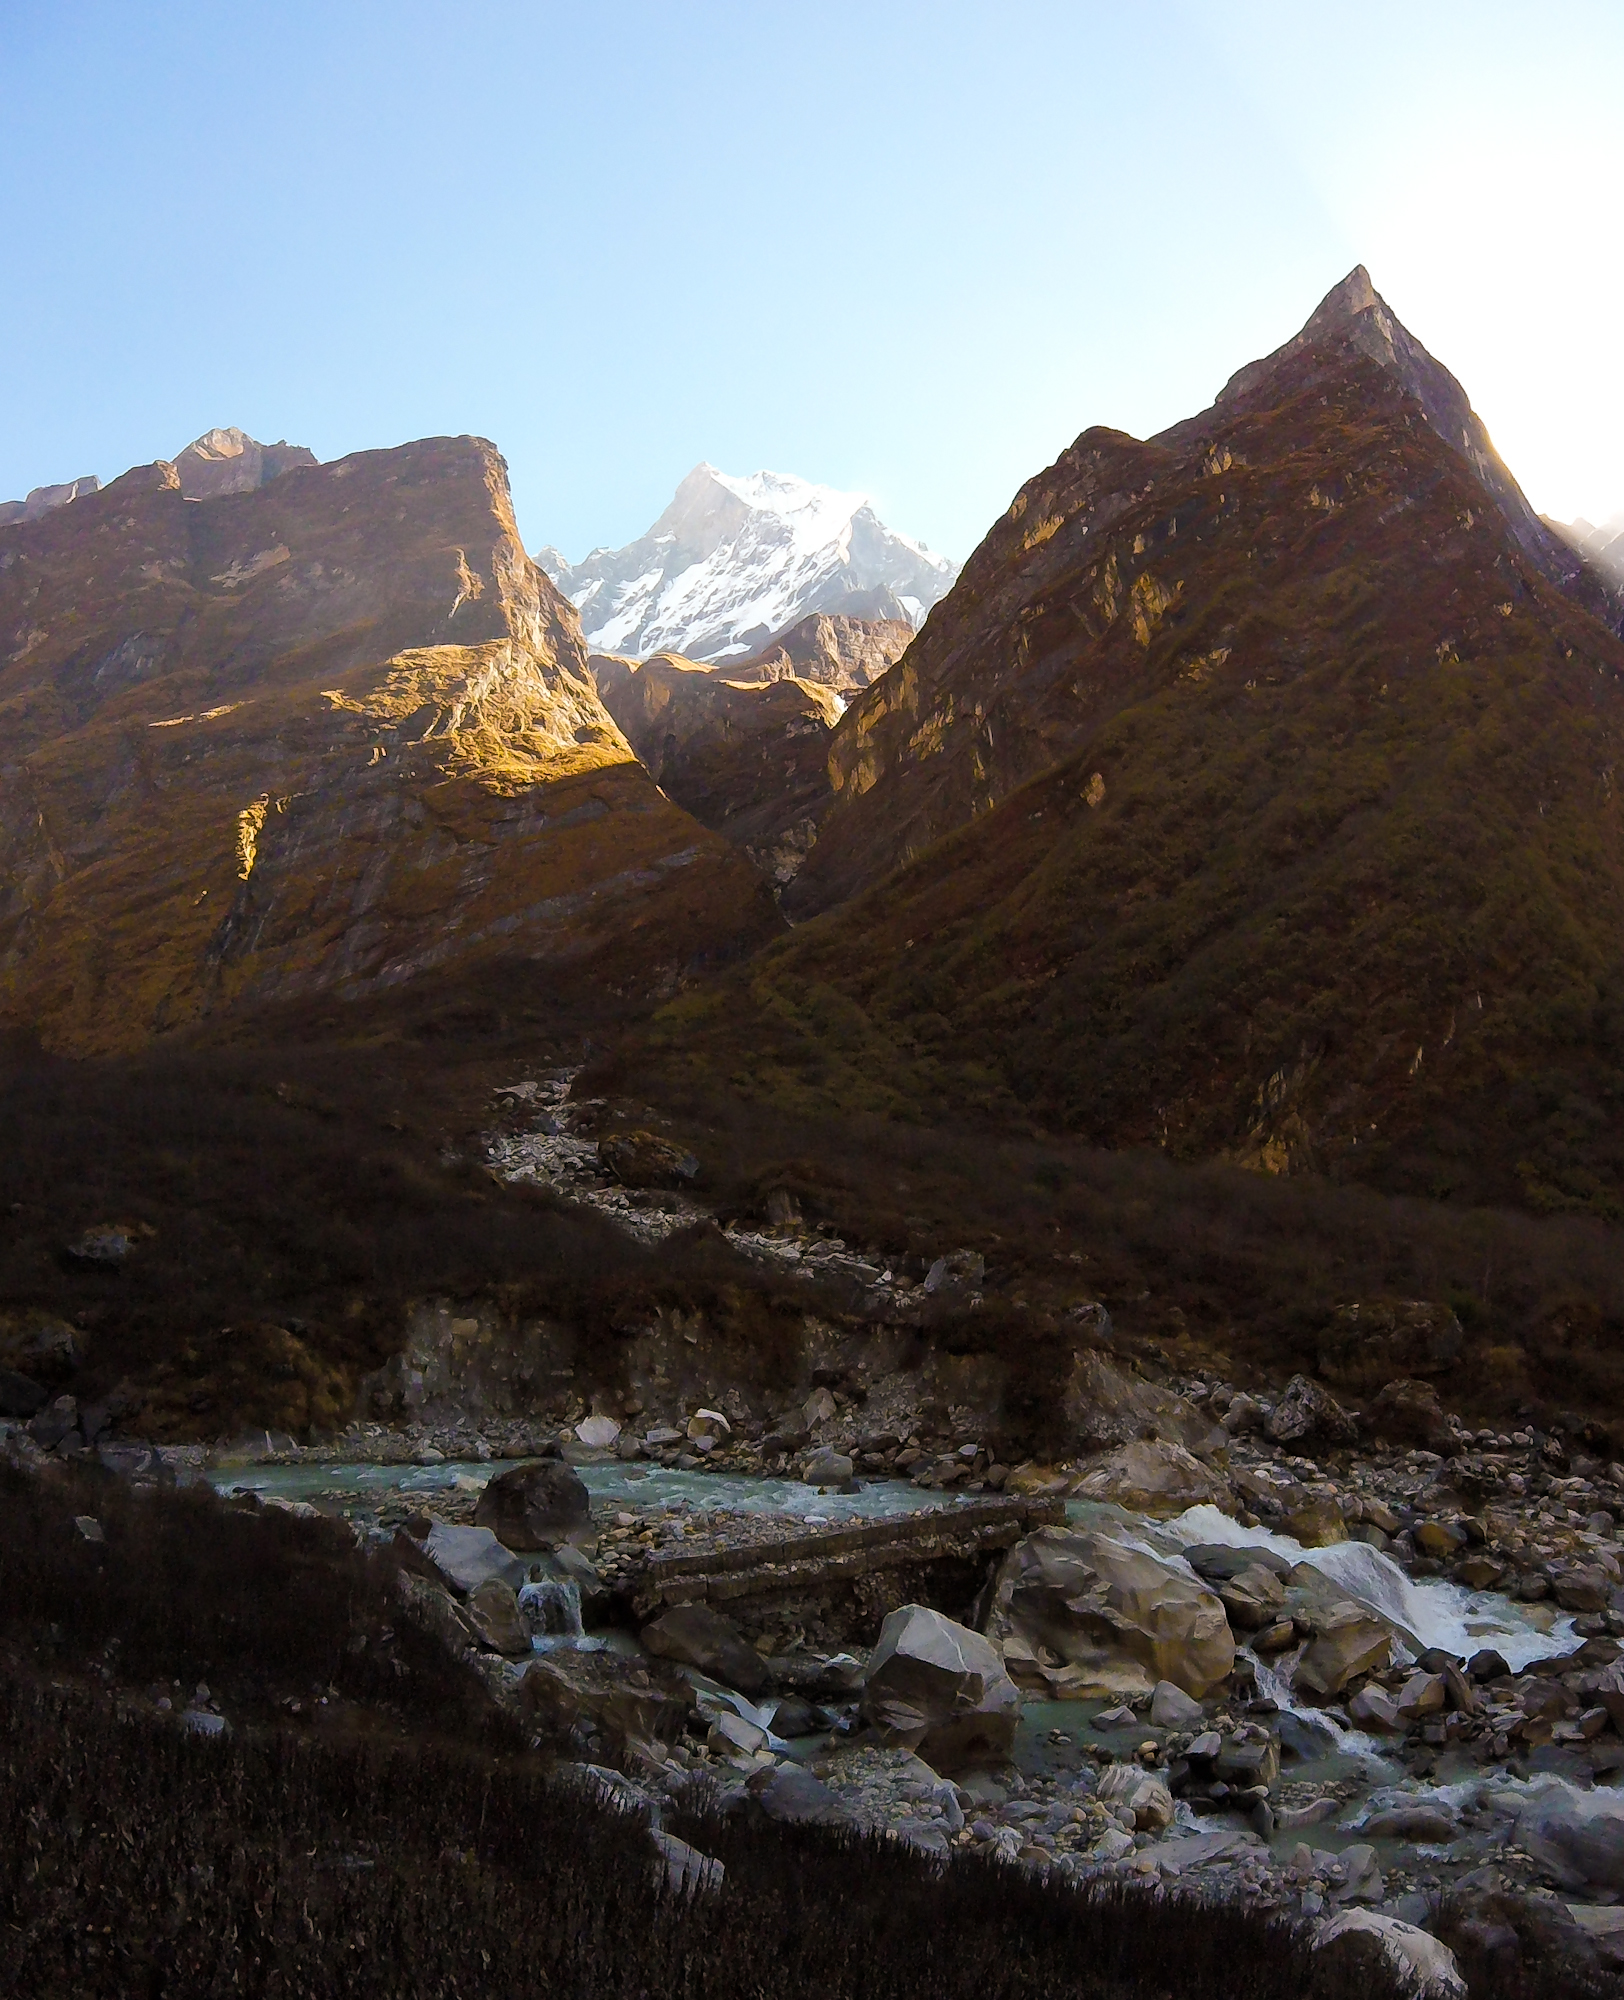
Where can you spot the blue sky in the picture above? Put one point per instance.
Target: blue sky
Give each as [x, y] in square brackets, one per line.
[906, 248]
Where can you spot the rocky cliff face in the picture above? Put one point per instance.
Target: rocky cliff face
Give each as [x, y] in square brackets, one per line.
[747, 758]
[732, 561]
[323, 734]
[230, 461]
[845, 654]
[43, 499]
[1254, 793]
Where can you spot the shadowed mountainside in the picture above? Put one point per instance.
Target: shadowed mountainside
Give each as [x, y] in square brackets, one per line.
[328, 733]
[1278, 786]
[748, 758]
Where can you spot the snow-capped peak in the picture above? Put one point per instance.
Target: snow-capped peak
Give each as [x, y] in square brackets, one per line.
[734, 560]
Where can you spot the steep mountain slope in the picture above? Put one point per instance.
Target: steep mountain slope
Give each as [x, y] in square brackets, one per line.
[747, 758]
[986, 697]
[732, 561]
[842, 653]
[322, 735]
[1279, 782]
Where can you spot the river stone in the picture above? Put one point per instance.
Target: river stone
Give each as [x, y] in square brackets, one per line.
[1119, 1619]
[1252, 1759]
[1418, 1957]
[598, 1432]
[1349, 1640]
[1146, 1797]
[797, 1797]
[1422, 1695]
[1157, 1478]
[1253, 1599]
[535, 1506]
[493, 1611]
[1428, 1825]
[1306, 1414]
[467, 1557]
[1317, 1523]
[1375, 1711]
[940, 1689]
[827, 1467]
[1578, 1836]
[1172, 1708]
[698, 1637]
[1362, 1875]
[1218, 1562]
[1582, 1588]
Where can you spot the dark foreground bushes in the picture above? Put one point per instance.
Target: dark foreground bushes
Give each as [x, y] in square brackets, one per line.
[404, 1844]
[135, 1860]
[262, 1606]
[1246, 1266]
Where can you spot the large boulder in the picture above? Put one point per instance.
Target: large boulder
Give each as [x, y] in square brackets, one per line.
[698, 1637]
[1253, 1599]
[493, 1611]
[1111, 1618]
[1152, 1477]
[643, 1160]
[941, 1689]
[1348, 1640]
[536, 1506]
[1408, 1412]
[1105, 1406]
[1367, 1345]
[1425, 1964]
[467, 1557]
[1307, 1415]
[1146, 1797]
[795, 1796]
[1577, 1836]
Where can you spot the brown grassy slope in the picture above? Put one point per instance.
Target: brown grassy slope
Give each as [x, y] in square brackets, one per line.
[1330, 874]
[329, 734]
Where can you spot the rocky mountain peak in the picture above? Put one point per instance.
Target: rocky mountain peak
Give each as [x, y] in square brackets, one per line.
[735, 559]
[1353, 318]
[230, 461]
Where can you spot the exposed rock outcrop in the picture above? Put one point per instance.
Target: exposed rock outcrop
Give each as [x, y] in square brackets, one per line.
[230, 461]
[841, 653]
[747, 758]
[1081, 1615]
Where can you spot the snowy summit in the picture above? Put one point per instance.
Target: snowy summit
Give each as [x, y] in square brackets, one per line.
[732, 561]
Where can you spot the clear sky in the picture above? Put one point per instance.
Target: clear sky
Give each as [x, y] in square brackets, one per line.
[907, 248]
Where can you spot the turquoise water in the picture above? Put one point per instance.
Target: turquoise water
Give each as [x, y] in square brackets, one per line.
[361, 1486]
